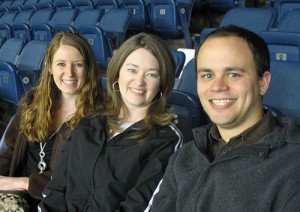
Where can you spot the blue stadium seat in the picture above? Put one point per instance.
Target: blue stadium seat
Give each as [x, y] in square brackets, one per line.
[16, 80]
[6, 21]
[284, 43]
[139, 19]
[30, 5]
[171, 18]
[179, 58]
[5, 5]
[63, 4]
[284, 6]
[84, 4]
[17, 5]
[24, 31]
[84, 17]
[10, 50]
[99, 42]
[283, 93]
[254, 19]
[106, 5]
[45, 31]
[189, 112]
[115, 24]
[188, 79]
[45, 4]
[21, 17]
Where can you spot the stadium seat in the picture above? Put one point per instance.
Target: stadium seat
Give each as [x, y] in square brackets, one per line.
[171, 18]
[6, 21]
[99, 42]
[283, 93]
[45, 4]
[139, 20]
[254, 19]
[18, 79]
[24, 31]
[189, 112]
[10, 50]
[17, 5]
[106, 5]
[179, 58]
[5, 5]
[84, 17]
[188, 79]
[62, 4]
[84, 4]
[21, 17]
[115, 24]
[284, 6]
[284, 43]
[30, 5]
[45, 31]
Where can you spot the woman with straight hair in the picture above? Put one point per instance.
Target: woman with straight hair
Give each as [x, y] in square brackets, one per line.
[116, 158]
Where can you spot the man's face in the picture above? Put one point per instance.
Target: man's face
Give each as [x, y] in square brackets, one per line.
[228, 85]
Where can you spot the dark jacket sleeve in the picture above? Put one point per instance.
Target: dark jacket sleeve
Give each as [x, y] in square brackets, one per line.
[137, 199]
[54, 193]
[165, 199]
[37, 182]
[10, 139]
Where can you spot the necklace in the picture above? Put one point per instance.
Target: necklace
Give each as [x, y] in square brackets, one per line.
[42, 165]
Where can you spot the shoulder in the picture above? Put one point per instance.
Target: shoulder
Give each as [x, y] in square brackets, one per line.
[93, 120]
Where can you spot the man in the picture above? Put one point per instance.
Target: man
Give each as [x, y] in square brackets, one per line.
[246, 160]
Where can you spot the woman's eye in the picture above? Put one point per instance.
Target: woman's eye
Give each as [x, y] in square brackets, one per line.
[78, 65]
[154, 75]
[60, 64]
[132, 70]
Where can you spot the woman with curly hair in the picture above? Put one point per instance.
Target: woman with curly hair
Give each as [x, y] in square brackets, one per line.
[68, 89]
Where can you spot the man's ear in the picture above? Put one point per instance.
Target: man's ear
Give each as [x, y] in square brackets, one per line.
[264, 82]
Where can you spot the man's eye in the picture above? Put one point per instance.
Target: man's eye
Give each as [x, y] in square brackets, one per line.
[207, 76]
[233, 75]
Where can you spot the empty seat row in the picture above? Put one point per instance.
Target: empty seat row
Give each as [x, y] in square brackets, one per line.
[283, 40]
[20, 65]
[170, 18]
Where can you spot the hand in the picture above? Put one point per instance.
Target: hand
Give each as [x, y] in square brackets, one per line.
[13, 183]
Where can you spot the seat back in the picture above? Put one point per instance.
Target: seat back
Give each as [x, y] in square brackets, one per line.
[10, 50]
[46, 31]
[283, 93]
[84, 4]
[254, 19]
[139, 19]
[106, 5]
[99, 43]
[30, 5]
[88, 17]
[189, 112]
[172, 18]
[284, 44]
[284, 6]
[115, 24]
[8, 17]
[17, 79]
[179, 58]
[165, 17]
[188, 79]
